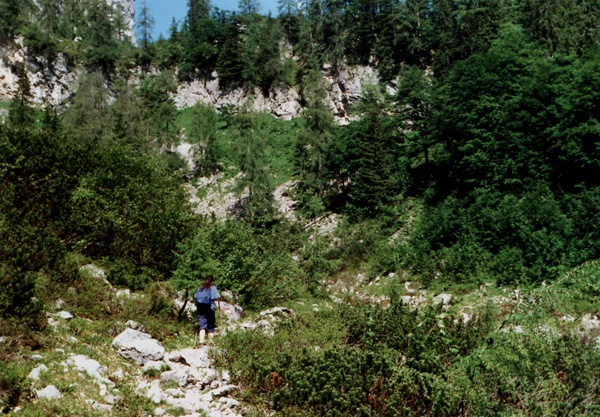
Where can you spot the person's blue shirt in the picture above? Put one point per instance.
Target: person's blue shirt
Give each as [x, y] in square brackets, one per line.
[214, 295]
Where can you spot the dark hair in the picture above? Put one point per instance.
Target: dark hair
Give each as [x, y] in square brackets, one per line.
[208, 282]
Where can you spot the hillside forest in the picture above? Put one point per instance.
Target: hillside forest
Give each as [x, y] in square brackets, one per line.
[471, 166]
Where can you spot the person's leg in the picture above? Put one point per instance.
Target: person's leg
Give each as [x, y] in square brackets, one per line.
[202, 325]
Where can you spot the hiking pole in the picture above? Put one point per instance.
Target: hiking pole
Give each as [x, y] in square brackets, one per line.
[220, 317]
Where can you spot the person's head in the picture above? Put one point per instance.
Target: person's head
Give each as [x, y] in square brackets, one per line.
[208, 282]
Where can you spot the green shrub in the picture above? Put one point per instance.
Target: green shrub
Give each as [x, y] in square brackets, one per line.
[257, 267]
[11, 387]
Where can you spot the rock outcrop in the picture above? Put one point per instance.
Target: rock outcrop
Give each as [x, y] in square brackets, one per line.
[139, 347]
[342, 89]
[127, 7]
[51, 82]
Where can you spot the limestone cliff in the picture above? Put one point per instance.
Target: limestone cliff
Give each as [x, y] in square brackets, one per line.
[285, 103]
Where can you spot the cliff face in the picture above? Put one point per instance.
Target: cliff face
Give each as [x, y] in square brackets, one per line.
[127, 7]
[49, 83]
[285, 103]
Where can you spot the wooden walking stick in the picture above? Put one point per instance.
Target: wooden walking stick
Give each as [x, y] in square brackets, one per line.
[221, 331]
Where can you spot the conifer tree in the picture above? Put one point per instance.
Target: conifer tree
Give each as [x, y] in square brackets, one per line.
[415, 105]
[333, 37]
[161, 115]
[310, 146]
[251, 154]
[88, 119]
[144, 26]
[248, 7]
[287, 7]
[203, 134]
[199, 39]
[21, 114]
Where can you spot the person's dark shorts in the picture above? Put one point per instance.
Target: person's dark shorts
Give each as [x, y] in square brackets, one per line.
[206, 317]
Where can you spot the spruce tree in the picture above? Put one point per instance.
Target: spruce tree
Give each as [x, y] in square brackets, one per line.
[144, 26]
[251, 156]
[310, 146]
[21, 114]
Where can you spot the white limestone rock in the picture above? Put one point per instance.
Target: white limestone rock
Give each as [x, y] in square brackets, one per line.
[233, 312]
[195, 358]
[134, 325]
[95, 272]
[65, 315]
[155, 393]
[48, 393]
[153, 366]
[90, 366]
[180, 376]
[442, 299]
[590, 323]
[138, 346]
[37, 372]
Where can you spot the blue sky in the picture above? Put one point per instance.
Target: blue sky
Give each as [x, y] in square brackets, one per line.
[163, 11]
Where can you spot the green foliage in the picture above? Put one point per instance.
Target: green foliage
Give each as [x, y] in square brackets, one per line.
[314, 262]
[203, 134]
[310, 146]
[365, 162]
[129, 206]
[254, 266]
[161, 117]
[21, 113]
[11, 387]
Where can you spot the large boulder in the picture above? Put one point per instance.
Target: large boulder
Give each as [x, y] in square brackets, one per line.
[139, 347]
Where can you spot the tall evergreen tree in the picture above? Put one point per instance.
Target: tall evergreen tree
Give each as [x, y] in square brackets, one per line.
[247, 7]
[144, 26]
[415, 105]
[259, 207]
[311, 143]
[21, 113]
[88, 119]
[199, 39]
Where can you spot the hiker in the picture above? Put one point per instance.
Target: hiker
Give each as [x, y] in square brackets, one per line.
[205, 297]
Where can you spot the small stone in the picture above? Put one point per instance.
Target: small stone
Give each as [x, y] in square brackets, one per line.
[118, 374]
[65, 315]
[123, 293]
[36, 372]
[175, 393]
[224, 390]
[59, 304]
[37, 357]
[180, 376]
[442, 299]
[153, 365]
[229, 402]
[215, 384]
[53, 322]
[159, 412]
[49, 393]
[105, 408]
[134, 325]
[110, 399]
[155, 394]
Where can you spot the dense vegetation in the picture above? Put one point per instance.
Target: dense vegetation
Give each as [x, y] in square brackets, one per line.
[480, 165]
